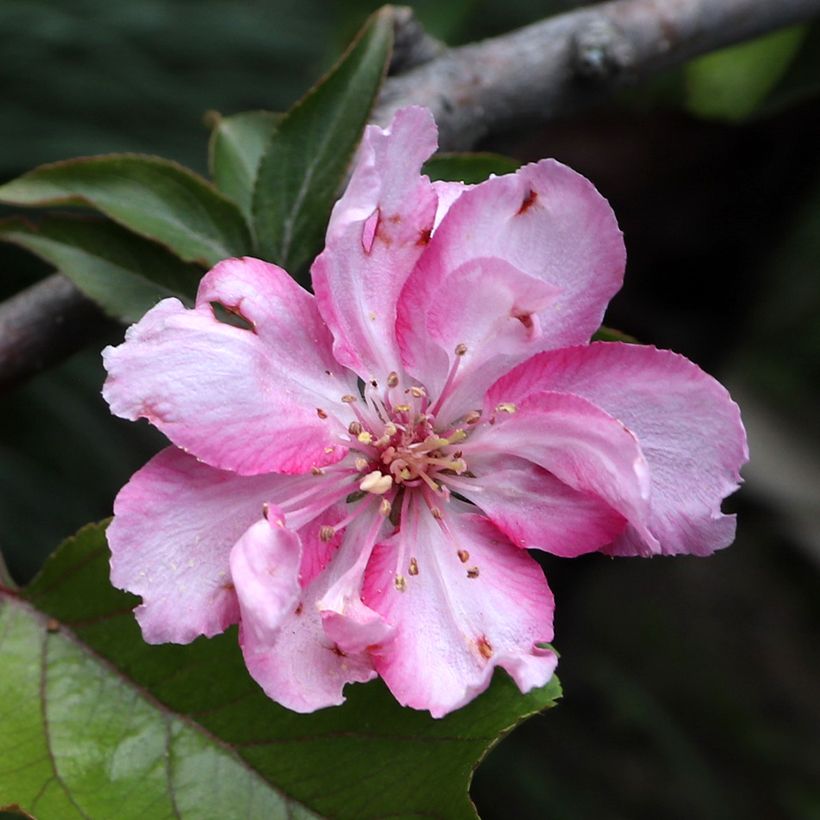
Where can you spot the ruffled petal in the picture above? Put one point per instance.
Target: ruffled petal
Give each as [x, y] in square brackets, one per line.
[580, 444]
[463, 600]
[688, 427]
[300, 666]
[537, 511]
[265, 572]
[174, 525]
[377, 231]
[251, 400]
[545, 221]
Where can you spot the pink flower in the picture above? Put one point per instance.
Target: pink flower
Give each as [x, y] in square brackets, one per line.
[356, 476]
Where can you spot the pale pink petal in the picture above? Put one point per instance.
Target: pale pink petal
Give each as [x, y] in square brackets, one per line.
[494, 319]
[247, 400]
[688, 427]
[547, 222]
[580, 444]
[457, 618]
[300, 667]
[265, 572]
[347, 621]
[174, 525]
[377, 231]
[536, 510]
[447, 193]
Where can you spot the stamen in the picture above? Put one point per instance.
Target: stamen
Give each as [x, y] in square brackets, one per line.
[505, 407]
[463, 556]
[460, 351]
[354, 428]
[413, 569]
[472, 417]
[385, 508]
[376, 482]
[326, 533]
[392, 379]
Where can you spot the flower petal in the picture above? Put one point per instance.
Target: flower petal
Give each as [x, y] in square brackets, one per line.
[536, 510]
[547, 222]
[174, 525]
[456, 620]
[248, 400]
[689, 430]
[265, 571]
[377, 231]
[299, 666]
[580, 444]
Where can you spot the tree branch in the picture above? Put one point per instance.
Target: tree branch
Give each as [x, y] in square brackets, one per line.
[566, 62]
[533, 74]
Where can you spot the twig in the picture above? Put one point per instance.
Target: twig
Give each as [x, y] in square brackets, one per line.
[565, 62]
[533, 74]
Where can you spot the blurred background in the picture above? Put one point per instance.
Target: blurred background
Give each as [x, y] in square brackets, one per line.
[691, 685]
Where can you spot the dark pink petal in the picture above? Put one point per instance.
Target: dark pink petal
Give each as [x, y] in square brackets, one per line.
[536, 510]
[377, 231]
[576, 441]
[299, 666]
[547, 222]
[265, 571]
[457, 617]
[247, 400]
[174, 525]
[689, 430]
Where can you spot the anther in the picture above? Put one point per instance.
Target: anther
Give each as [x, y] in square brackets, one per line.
[326, 534]
[348, 398]
[413, 569]
[321, 413]
[393, 379]
[400, 583]
[265, 510]
[417, 392]
[385, 508]
[485, 648]
[402, 408]
[463, 556]
[472, 572]
[361, 464]
[376, 482]
[505, 407]
[461, 349]
[364, 437]
[317, 471]
[472, 417]
[436, 513]
[354, 428]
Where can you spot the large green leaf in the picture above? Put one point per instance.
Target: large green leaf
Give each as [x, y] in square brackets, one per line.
[235, 151]
[153, 197]
[98, 724]
[123, 273]
[471, 168]
[306, 160]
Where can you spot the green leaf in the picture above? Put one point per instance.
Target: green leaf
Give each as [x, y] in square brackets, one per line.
[609, 334]
[469, 168]
[306, 161]
[731, 83]
[98, 723]
[235, 151]
[123, 273]
[152, 197]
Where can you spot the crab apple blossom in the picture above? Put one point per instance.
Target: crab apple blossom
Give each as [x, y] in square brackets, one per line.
[355, 477]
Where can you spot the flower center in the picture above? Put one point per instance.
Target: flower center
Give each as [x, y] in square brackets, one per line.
[398, 442]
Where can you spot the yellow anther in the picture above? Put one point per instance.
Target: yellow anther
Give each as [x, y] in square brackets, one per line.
[364, 437]
[376, 482]
[417, 392]
[326, 534]
[400, 583]
[458, 466]
[392, 379]
[472, 417]
[505, 407]
[402, 408]
[354, 428]
[361, 464]
[413, 569]
[459, 435]
[348, 398]
[385, 508]
[390, 429]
